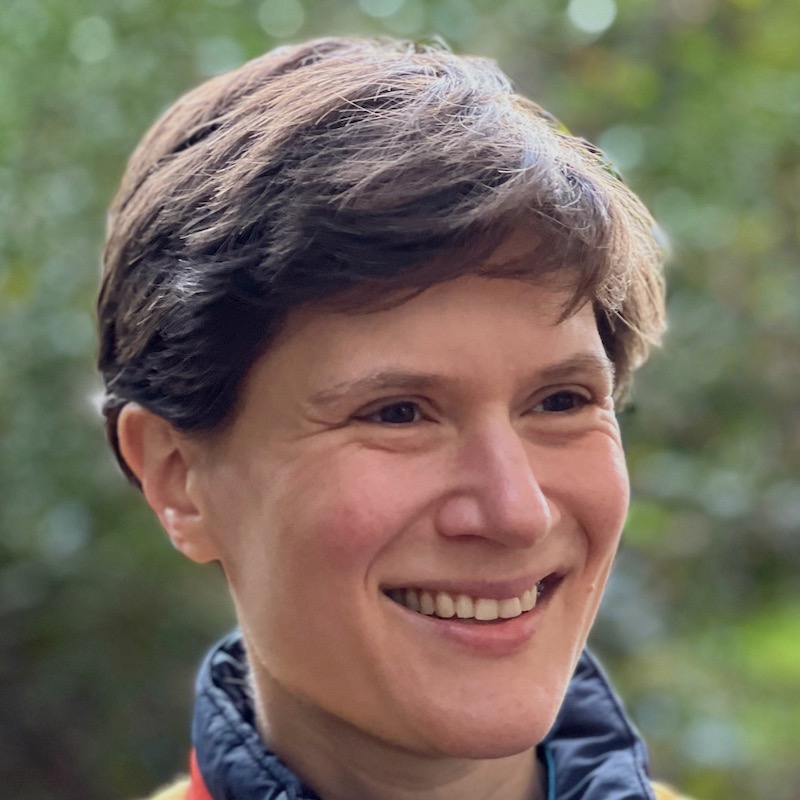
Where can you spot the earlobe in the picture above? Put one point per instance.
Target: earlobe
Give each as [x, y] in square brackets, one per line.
[162, 460]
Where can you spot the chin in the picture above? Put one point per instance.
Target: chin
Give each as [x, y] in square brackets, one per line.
[463, 735]
[488, 748]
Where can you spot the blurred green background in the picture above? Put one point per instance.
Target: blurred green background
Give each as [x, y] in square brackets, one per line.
[696, 101]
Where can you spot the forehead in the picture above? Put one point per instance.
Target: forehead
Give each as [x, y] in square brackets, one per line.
[540, 303]
[471, 323]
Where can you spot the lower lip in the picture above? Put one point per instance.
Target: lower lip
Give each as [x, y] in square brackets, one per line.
[498, 639]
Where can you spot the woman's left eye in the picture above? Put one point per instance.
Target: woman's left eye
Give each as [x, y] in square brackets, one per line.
[402, 412]
[562, 402]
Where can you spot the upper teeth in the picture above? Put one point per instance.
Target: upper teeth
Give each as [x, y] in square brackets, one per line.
[462, 606]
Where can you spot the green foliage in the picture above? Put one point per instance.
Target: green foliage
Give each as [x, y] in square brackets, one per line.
[697, 102]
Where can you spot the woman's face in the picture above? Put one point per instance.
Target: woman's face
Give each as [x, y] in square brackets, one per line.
[461, 447]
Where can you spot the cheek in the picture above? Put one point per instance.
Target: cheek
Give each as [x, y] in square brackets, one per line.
[337, 514]
[594, 487]
[610, 495]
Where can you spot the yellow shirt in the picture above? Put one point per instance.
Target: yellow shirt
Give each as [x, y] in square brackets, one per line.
[177, 791]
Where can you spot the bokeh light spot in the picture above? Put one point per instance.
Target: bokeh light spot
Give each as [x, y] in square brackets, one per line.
[281, 18]
[91, 40]
[623, 145]
[217, 55]
[592, 16]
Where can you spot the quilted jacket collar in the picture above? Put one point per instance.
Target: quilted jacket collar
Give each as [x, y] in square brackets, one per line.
[592, 752]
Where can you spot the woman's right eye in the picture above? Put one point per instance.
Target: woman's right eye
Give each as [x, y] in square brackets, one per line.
[402, 412]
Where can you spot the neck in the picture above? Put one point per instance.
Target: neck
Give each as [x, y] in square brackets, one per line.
[341, 762]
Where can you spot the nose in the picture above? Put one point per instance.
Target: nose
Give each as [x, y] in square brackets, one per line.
[497, 490]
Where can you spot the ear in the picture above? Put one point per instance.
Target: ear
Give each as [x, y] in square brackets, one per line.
[162, 459]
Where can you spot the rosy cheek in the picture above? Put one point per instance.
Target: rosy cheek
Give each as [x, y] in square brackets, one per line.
[350, 530]
[374, 500]
[346, 509]
[591, 483]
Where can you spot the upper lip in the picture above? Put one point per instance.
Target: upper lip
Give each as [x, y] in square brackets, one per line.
[492, 590]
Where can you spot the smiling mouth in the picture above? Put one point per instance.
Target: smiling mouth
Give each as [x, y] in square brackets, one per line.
[447, 605]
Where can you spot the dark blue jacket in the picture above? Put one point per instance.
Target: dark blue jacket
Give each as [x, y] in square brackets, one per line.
[592, 752]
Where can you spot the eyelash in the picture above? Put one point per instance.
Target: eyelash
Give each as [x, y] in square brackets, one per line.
[374, 416]
[378, 416]
[578, 401]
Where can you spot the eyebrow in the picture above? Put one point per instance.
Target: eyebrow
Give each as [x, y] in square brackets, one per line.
[399, 380]
[402, 380]
[593, 364]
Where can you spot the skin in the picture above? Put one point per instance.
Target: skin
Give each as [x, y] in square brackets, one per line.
[464, 439]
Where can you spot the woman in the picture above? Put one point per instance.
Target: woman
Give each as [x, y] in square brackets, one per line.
[364, 319]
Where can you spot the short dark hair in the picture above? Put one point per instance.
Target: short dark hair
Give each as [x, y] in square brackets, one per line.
[349, 171]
